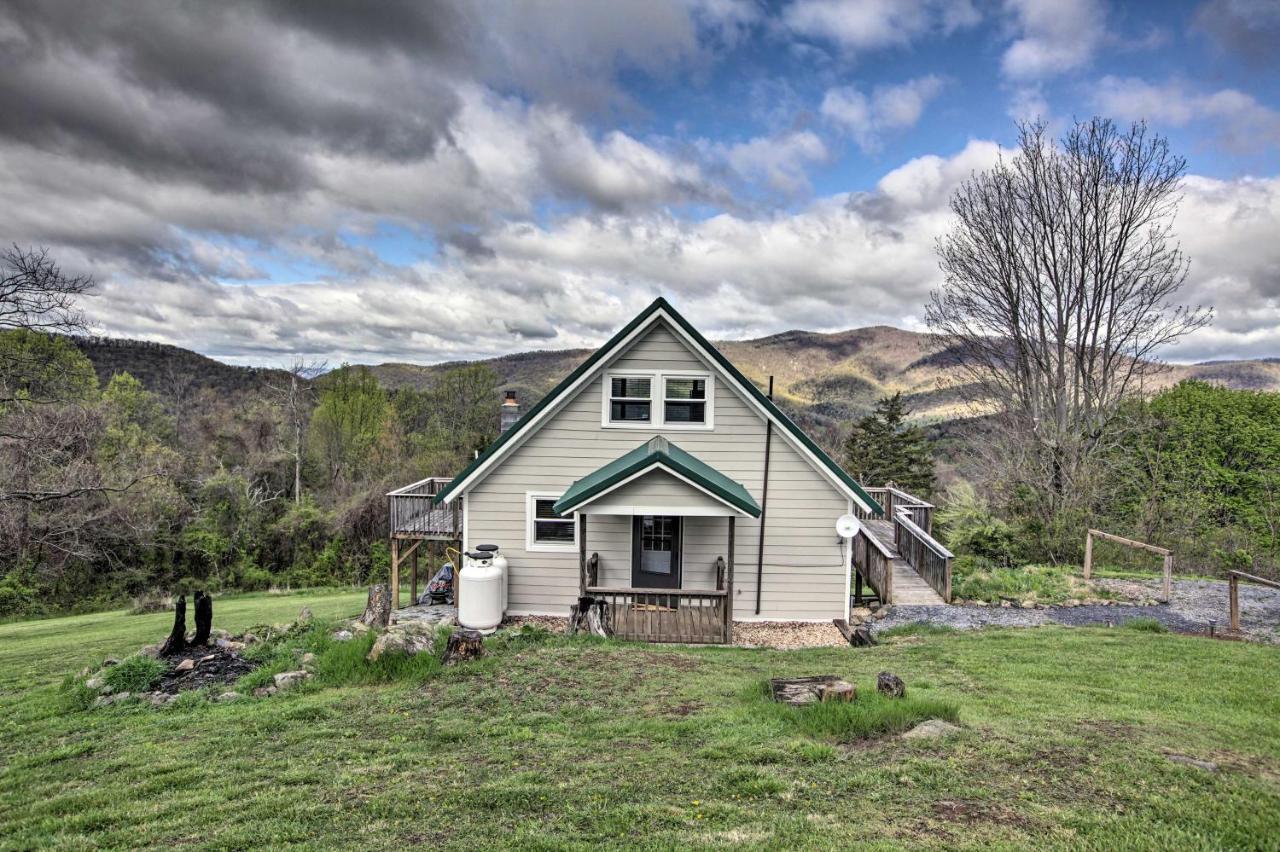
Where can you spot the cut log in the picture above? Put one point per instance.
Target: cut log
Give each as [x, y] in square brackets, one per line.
[891, 685]
[177, 641]
[840, 690]
[377, 611]
[590, 616]
[204, 619]
[463, 645]
[799, 691]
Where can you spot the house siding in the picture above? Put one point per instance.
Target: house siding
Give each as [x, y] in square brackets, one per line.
[805, 568]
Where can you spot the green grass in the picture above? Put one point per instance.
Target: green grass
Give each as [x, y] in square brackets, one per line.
[916, 628]
[134, 674]
[552, 743]
[971, 580]
[1146, 625]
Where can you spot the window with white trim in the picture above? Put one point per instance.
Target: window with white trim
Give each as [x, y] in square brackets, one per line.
[657, 399]
[546, 529]
[684, 400]
[630, 399]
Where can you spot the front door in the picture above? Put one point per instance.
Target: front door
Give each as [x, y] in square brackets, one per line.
[655, 552]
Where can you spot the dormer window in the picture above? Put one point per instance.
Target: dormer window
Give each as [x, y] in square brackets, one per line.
[657, 400]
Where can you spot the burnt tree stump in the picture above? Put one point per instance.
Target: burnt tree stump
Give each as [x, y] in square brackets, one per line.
[463, 645]
[377, 611]
[204, 619]
[590, 616]
[177, 641]
[861, 637]
[891, 685]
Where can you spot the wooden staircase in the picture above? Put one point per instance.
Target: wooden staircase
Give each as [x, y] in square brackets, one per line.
[896, 553]
[909, 588]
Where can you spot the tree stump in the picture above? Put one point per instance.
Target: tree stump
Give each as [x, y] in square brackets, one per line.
[840, 690]
[891, 685]
[463, 645]
[800, 691]
[377, 612]
[177, 641]
[862, 638]
[590, 616]
[204, 619]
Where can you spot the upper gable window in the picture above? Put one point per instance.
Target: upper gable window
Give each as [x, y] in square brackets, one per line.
[630, 399]
[655, 399]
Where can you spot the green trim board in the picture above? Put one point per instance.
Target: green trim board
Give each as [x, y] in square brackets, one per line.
[657, 452]
[661, 304]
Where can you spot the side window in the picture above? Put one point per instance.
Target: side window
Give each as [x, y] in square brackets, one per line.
[630, 399]
[547, 530]
[684, 400]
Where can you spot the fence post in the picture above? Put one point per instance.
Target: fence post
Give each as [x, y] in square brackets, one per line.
[1088, 553]
[1168, 577]
[1233, 583]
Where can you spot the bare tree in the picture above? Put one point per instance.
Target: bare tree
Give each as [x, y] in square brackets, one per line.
[36, 294]
[295, 395]
[1060, 272]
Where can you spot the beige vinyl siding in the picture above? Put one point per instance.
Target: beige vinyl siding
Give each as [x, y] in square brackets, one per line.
[657, 489]
[804, 572]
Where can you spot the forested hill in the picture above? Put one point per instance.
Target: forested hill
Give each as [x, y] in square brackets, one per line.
[823, 379]
[171, 370]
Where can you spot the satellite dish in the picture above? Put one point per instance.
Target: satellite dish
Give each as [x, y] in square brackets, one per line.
[847, 526]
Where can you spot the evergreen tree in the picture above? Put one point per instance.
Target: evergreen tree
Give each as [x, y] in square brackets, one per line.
[883, 447]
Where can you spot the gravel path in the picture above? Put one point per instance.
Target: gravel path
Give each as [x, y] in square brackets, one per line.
[1194, 603]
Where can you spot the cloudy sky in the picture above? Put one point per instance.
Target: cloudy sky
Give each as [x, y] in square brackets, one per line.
[421, 181]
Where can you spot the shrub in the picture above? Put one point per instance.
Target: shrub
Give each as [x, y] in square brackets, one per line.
[135, 674]
[970, 527]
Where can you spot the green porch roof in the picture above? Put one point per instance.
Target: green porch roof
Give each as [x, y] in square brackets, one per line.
[658, 452]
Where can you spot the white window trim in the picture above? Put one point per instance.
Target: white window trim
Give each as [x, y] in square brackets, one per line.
[657, 401]
[530, 529]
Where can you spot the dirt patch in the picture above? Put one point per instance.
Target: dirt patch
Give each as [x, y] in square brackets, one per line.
[210, 666]
[971, 812]
[679, 711]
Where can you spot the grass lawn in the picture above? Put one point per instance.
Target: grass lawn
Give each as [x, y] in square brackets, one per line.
[580, 744]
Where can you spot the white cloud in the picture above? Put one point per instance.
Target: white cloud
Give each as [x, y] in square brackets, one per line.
[896, 107]
[858, 25]
[780, 161]
[1238, 121]
[1052, 36]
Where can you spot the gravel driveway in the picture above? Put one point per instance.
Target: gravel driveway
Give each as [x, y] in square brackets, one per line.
[1194, 603]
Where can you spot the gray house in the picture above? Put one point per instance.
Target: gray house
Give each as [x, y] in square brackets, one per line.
[661, 482]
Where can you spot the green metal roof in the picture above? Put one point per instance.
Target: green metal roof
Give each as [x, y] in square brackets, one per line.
[661, 304]
[658, 452]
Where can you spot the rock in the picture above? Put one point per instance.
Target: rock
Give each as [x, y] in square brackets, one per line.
[184, 666]
[343, 636]
[1206, 765]
[359, 627]
[304, 615]
[249, 638]
[151, 651]
[1028, 604]
[265, 692]
[158, 699]
[206, 658]
[229, 696]
[1005, 604]
[287, 680]
[880, 613]
[861, 613]
[109, 662]
[108, 700]
[981, 603]
[406, 638]
[931, 728]
[888, 683]
[229, 644]
[95, 683]
[837, 690]
[219, 633]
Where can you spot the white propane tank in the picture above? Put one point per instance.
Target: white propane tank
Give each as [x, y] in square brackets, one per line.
[480, 595]
[499, 562]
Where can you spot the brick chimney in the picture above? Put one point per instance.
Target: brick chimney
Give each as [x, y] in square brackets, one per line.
[509, 413]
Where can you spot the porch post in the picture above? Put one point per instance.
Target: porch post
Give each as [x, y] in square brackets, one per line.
[728, 586]
[395, 573]
[582, 554]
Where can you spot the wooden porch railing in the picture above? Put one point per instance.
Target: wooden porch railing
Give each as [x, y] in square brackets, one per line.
[701, 616]
[871, 559]
[415, 514]
[922, 552]
[892, 499]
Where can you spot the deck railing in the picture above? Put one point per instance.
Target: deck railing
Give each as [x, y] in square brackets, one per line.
[415, 514]
[872, 559]
[665, 615]
[923, 552]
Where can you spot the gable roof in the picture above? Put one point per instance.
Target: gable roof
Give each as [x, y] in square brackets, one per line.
[661, 307]
[658, 453]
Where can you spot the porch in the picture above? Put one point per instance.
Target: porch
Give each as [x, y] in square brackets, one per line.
[658, 490]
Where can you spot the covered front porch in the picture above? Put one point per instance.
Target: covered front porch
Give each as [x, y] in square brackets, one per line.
[674, 582]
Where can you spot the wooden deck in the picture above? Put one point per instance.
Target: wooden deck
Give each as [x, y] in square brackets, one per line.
[415, 515]
[662, 618]
[909, 588]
